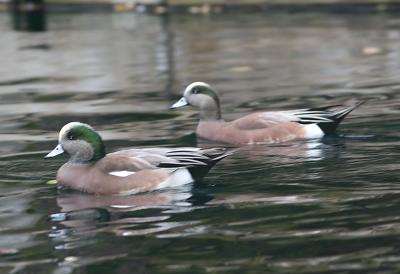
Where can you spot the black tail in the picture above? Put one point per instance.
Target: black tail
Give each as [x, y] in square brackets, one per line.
[327, 118]
[198, 162]
[214, 155]
[336, 114]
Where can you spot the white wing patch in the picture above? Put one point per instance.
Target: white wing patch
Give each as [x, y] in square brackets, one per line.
[122, 173]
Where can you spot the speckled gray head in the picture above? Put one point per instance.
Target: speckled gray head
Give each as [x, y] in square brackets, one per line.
[80, 141]
[203, 96]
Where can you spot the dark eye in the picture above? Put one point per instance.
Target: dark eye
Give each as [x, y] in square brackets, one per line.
[195, 91]
[71, 136]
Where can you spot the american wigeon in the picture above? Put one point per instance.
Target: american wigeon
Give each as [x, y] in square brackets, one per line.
[91, 170]
[259, 127]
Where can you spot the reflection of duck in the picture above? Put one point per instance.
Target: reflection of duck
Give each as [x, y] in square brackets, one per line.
[82, 211]
[128, 171]
[260, 127]
[75, 201]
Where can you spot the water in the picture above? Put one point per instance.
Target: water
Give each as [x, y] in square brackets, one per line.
[322, 206]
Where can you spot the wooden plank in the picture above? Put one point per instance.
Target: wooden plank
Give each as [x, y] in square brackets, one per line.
[272, 2]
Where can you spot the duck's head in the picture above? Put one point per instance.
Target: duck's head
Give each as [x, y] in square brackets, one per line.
[203, 96]
[81, 142]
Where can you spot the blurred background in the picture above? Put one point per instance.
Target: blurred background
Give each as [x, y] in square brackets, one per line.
[317, 206]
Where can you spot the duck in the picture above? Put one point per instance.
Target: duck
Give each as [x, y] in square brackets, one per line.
[89, 169]
[265, 127]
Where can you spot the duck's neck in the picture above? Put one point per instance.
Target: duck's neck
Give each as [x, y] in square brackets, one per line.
[210, 112]
[87, 154]
[99, 152]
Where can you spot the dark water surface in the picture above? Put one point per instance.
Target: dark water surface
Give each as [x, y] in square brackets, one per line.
[322, 206]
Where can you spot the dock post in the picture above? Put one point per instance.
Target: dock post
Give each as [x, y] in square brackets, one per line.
[28, 15]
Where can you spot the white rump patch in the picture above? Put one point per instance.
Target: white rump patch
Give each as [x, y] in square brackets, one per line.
[313, 131]
[122, 173]
[179, 177]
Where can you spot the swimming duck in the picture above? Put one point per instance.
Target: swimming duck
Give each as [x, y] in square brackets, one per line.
[91, 170]
[259, 127]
